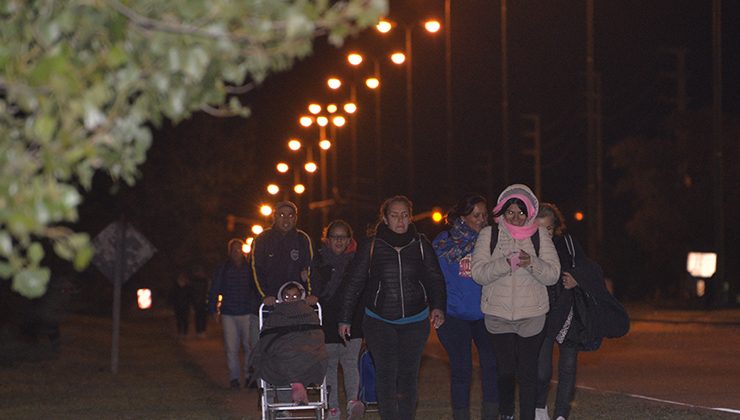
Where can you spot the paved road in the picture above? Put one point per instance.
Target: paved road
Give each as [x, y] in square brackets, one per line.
[696, 364]
[681, 357]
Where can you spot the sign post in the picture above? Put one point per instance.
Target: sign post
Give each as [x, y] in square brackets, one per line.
[120, 250]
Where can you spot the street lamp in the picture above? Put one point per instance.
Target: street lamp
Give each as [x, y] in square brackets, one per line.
[431, 26]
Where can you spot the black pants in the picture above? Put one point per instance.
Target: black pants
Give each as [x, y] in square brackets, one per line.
[567, 362]
[182, 313]
[396, 351]
[516, 359]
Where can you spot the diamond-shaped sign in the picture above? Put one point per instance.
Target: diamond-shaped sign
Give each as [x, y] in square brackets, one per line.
[136, 250]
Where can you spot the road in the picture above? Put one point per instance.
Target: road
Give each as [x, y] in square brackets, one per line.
[683, 362]
[695, 364]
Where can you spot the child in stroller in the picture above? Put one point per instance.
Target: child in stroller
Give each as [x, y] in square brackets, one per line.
[291, 346]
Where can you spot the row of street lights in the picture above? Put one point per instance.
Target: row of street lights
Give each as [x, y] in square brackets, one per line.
[336, 115]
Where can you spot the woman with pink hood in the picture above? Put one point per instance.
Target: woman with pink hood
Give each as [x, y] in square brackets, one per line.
[515, 262]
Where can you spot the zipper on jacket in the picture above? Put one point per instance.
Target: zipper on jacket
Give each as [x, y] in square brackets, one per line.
[400, 282]
[377, 294]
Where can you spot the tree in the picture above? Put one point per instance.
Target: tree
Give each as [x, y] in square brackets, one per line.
[84, 81]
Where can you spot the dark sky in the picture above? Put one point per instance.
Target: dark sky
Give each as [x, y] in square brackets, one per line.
[547, 45]
[547, 77]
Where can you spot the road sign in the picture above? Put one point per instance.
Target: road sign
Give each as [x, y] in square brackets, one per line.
[136, 250]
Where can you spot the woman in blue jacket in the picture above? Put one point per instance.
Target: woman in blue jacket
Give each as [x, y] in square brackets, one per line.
[464, 322]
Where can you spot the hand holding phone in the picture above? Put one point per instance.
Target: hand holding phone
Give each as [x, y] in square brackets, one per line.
[514, 260]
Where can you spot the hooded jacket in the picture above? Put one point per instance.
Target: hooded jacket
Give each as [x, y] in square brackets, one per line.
[514, 293]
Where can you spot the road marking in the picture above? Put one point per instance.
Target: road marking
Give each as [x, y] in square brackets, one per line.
[644, 397]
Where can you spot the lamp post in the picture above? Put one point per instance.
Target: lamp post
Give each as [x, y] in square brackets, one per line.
[431, 26]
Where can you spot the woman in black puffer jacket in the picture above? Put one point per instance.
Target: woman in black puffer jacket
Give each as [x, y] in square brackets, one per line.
[397, 274]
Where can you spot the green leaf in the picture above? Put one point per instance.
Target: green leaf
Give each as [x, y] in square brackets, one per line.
[31, 282]
[83, 257]
[35, 253]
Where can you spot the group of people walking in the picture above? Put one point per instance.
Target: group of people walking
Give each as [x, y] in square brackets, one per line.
[507, 288]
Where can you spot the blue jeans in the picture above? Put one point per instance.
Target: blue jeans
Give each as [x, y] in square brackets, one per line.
[396, 351]
[567, 362]
[239, 331]
[347, 356]
[516, 359]
[457, 335]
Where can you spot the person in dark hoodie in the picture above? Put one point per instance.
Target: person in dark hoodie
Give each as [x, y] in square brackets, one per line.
[239, 305]
[281, 254]
[328, 268]
[404, 288]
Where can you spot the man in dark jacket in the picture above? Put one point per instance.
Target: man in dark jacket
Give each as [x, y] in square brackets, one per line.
[239, 305]
[281, 254]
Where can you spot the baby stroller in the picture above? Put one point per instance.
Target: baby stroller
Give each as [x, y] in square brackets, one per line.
[290, 339]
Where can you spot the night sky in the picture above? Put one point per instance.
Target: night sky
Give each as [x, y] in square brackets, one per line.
[547, 76]
[547, 47]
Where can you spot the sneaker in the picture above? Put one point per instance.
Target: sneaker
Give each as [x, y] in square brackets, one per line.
[541, 414]
[234, 384]
[560, 418]
[333, 414]
[355, 410]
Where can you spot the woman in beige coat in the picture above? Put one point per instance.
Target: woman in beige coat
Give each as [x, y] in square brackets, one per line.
[514, 275]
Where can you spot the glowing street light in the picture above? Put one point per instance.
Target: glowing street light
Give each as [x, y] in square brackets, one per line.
[305, 121]
[372, 82]
[282, 167]
[294, 144]
[322, 121]
[273, 189]
[144, 298]
[334, 83]
[299, 188]
[265, 210]
[310, 167]
[384, 26]
[354, 59]
[256, 229]
[350, 107]
[325, 144]
[339, 121]
[437, 216]
[398, 58]
[314, 108]
[331, 108]
[432, 26]
[246, 248]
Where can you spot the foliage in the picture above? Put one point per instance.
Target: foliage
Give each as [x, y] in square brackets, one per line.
[83, 82]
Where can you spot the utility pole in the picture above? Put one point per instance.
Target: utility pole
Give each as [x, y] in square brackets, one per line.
[719, 192]
[591, 136]
[448, 96]
[534, 132]
[505, 94]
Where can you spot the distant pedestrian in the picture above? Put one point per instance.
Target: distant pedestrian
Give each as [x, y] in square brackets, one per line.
[514, 275]
[238, 312]
[403, 289]
[180, 297]
[464, 322]
[199, 286]
[281, 254]
[328, 269]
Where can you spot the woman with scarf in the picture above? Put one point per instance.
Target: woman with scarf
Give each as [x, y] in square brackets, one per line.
[328, 267]
[464, 319]
[515, 270]
[403, 289]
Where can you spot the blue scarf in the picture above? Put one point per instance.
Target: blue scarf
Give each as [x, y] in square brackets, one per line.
[459, 242]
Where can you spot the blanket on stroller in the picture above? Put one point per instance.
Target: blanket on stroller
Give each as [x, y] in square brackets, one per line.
[291, 346]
